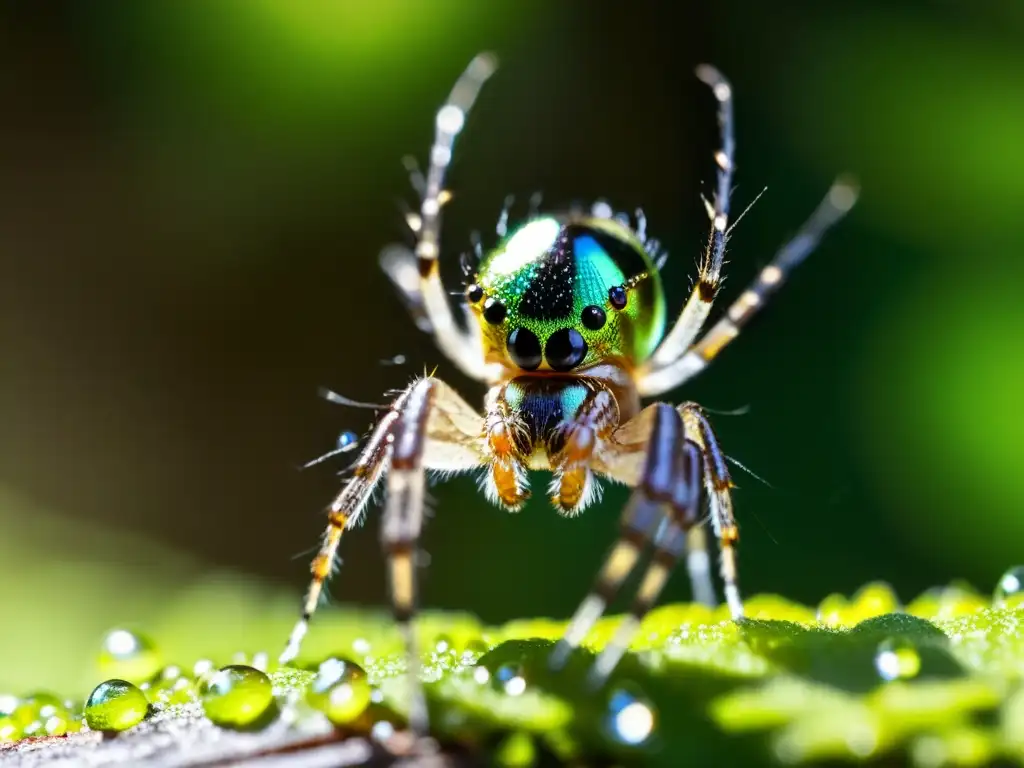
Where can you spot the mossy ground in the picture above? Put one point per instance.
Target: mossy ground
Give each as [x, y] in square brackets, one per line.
[790, 684]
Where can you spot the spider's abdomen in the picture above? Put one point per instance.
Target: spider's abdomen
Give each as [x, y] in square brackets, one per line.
[561, 294]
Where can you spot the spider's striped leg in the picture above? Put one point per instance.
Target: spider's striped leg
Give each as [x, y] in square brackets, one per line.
[660, 375]
[652, 441]
[698, 306]
[343, 513]
[428, 427]
[417, 276]
[669, 546]
[718, 485]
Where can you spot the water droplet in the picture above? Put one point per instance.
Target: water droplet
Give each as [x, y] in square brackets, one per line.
[237, 696]
[481, 674]
[340, 690]
[510, 679]
[443, 644]
[115, 705]
[202, 667]
[361, 646]
[128, 655]
[42, 714]
[631, 718]
[8, 703]
[1010, 589]
[170, 686]
[897, 659]
[382, 730]
[10, 731]
[834, 610]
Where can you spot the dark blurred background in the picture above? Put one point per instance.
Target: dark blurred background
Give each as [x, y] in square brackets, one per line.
[193, 195]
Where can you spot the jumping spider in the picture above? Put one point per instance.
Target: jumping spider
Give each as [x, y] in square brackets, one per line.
[566, 326]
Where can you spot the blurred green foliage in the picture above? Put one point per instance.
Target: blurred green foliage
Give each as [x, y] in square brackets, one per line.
[189, 193]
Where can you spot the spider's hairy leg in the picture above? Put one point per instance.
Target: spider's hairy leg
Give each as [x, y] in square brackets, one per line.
[417, 275]
[429, 426]
[717, 485]
[670, 543]
[648, 451]
[709, 277]
[658, 376]
[343, 512]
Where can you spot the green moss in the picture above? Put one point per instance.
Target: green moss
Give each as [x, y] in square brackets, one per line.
[936, 682]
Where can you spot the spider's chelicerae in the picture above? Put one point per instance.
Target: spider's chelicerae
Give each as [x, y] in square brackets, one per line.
[565, 323]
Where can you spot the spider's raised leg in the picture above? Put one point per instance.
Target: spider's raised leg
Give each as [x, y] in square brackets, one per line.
[417, 275]
[698, 306]
[652, 455]
[660, 375]
[428, 427]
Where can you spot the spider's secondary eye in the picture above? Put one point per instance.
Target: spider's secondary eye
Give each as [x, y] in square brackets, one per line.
[594, 318]
[524, 348]
[617, 296]
[494, 311]
[474, 293]
[565, 349]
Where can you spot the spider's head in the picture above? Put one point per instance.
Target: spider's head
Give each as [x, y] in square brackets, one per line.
[564, 293]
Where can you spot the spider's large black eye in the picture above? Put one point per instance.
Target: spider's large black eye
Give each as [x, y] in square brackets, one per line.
[565, 349]
[494, 311]
[524, 349]
[593, 317]
[474, 293]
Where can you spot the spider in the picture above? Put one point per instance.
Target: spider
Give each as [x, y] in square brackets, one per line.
[565, 323]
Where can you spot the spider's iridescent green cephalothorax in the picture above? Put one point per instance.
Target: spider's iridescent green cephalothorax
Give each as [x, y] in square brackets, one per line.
[565, 323]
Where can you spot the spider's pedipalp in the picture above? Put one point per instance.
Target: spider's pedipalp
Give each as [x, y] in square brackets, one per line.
[659, 376]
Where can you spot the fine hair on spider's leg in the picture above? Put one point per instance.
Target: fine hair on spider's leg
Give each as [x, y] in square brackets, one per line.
[717, 485]
[698, 306]
[417, 275]
[345, 509]
[669, 544]
[654, 379]
[650, 505]
[429, 426]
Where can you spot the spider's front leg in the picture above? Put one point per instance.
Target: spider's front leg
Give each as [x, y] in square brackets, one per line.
[651, 453]
[429, 426]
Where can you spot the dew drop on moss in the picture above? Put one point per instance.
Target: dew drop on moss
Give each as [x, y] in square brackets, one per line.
[1009, 591]
[897, 659]
[237, 696]
[41, 714]
[443, 644]
[630, 719]
[8, 703]
[9, 730]
[170, 686]
[510, 679]
[340, 690]
[115, 705]
[129, 656]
